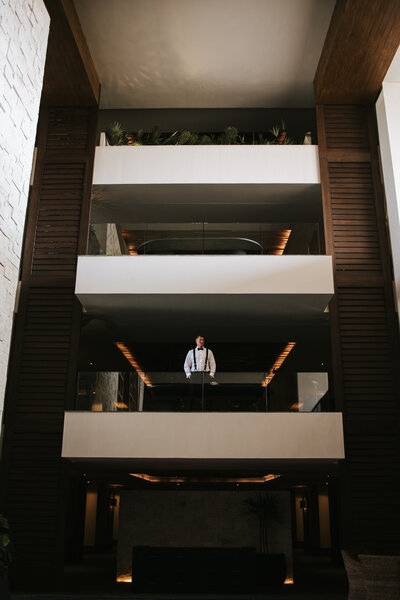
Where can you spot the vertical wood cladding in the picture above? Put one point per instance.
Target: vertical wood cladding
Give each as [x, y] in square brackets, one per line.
[364, 327]
[42, 376]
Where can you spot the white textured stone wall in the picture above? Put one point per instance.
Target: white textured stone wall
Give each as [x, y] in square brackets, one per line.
[24, 27]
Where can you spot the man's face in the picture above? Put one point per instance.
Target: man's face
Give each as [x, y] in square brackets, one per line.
[200, 342]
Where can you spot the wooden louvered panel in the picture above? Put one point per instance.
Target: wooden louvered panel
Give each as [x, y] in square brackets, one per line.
[346, 128]
[368, 367]
[68, 129]
[365, 351]
[58, 220]
[353, 214]
[35, 485]
[42, 380]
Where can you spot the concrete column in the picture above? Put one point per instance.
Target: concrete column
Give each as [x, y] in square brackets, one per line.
[388, 116]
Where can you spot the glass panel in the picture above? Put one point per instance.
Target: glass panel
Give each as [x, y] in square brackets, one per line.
[313, 392]
[226, 392]
[113, 239]
[232, 238]
[171, 238]
[173, 392]
[109, 239]
[106, 391]
[134, 236]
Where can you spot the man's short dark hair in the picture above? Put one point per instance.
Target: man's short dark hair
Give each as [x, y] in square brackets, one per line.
[197, 337]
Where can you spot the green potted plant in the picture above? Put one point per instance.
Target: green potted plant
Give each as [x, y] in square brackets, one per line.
[6, 556]
[278, 135]
[116, 134]
[270, 568]
[229, 136]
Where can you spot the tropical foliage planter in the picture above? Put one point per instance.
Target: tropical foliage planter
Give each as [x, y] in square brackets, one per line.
[117, 135]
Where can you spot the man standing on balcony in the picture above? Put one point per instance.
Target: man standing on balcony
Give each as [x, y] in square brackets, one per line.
[200, 359]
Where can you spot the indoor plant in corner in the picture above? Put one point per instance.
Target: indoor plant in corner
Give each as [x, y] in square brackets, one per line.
[270, 568]
[5, 557]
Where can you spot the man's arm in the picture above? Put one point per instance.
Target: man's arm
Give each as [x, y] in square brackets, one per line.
[212, 363]
[188, 363]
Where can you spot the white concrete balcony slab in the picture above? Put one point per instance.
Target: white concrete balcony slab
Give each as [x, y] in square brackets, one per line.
[153, 296]
[111, 279]
[141, 165]
[266, 275]
[204, 436]
[200, 183]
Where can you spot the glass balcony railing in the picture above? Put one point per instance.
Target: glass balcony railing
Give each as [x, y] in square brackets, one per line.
[139, 239]
[226, 392]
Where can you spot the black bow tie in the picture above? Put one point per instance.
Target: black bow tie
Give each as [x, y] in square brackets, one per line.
[200, 348]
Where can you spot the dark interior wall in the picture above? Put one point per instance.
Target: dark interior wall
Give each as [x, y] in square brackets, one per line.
[194, 518]
[298, 120]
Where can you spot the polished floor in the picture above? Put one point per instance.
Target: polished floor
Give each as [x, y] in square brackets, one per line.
[315, 578]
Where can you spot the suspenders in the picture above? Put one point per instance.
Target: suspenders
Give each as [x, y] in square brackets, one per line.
[195, 362]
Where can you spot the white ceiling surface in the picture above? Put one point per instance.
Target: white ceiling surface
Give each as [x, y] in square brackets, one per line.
[262, 318]
[205, 53]
[179, 203]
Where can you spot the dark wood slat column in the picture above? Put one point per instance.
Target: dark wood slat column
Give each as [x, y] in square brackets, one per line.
[364, 327]
[43, 361]
[42, 377]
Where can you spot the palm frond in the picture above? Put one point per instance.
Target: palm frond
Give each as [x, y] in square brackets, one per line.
[116, 134]
[275, 130]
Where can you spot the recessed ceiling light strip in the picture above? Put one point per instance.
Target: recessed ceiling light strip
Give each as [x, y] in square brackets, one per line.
[192, 479]
[132, 360]
[282, 241]
[278, 363]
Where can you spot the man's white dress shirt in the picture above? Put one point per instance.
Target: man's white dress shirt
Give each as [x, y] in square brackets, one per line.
[192, 365]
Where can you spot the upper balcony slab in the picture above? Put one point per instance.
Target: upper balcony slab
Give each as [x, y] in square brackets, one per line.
[242, 164]
[226, 275]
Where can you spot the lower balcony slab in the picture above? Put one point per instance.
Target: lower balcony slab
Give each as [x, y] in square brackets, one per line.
[203, 436]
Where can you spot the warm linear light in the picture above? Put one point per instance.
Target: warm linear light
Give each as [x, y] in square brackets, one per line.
[131, 359]
[181, 479]
[282, 240]
[121, 405]
[124, 579]
[288, 581]
[278, 363]
[297, 405]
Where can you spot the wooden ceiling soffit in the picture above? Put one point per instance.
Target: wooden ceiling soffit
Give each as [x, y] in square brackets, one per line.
[361, 42]
[70, 77]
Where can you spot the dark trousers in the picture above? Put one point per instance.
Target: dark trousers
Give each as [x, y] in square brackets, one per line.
[199, 397]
